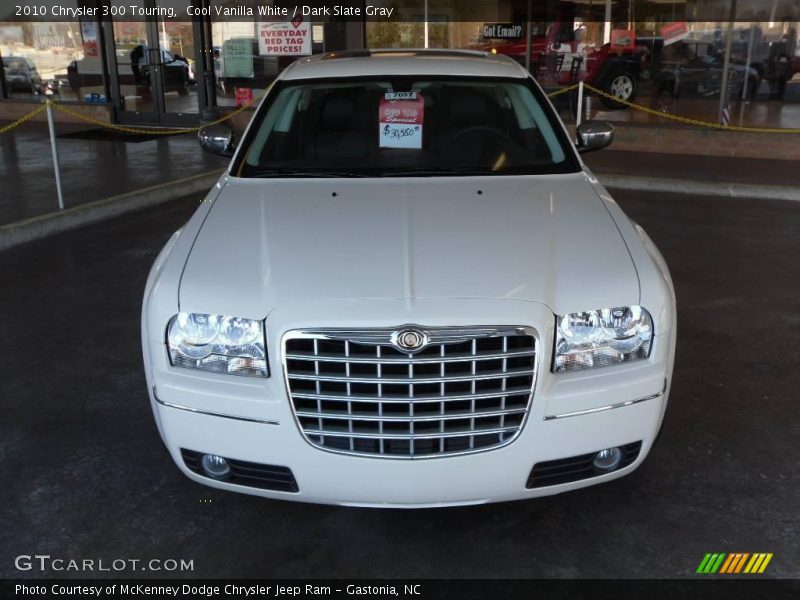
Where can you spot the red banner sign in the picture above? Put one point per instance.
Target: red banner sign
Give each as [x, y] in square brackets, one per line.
[674, 32]
[244, 96]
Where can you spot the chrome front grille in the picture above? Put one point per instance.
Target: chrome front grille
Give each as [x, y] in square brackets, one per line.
[355, 392]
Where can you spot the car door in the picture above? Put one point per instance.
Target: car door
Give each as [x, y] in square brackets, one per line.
[706, 70]
[36, 79]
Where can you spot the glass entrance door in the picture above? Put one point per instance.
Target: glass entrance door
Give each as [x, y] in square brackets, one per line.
[155, 62]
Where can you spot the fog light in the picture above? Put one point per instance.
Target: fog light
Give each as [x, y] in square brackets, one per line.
[215, 466]
[607, 460]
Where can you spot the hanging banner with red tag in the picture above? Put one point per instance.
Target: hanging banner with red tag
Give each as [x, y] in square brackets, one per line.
[623, 39]
[244, 96]
[674, 32]
[91, 46]
[284, 38]
[400, 120]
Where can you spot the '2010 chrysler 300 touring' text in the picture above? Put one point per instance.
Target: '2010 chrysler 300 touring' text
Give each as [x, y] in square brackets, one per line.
[407, 290]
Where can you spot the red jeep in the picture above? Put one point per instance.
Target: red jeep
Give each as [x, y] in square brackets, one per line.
[560, 57]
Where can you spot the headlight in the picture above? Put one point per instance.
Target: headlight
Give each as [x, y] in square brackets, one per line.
[599, 338]
[218, 344]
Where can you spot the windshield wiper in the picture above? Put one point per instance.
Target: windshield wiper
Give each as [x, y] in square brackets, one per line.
[302, 173]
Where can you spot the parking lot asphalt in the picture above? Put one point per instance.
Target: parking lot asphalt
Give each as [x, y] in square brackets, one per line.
[84, 474]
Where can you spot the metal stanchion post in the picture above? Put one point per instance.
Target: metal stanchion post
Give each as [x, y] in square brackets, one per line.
[726, 65]
[51, 125]
[579, 113]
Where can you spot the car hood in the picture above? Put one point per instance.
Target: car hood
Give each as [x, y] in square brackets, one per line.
[272, 242]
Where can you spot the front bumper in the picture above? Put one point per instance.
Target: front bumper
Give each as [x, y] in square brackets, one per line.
[251, 420]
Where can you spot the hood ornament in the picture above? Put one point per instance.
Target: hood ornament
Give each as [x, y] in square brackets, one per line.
[409, 340]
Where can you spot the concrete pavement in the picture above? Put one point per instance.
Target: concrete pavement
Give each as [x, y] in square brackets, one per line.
[85, 475]
[106, 178]
[693, 167]
[91, 170]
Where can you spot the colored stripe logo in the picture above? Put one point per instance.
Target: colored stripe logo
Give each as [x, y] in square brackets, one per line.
[734, 563]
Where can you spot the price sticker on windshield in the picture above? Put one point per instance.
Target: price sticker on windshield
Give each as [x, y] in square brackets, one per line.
[400, 120]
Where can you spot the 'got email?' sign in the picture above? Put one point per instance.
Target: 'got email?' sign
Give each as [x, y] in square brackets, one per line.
[400, 120]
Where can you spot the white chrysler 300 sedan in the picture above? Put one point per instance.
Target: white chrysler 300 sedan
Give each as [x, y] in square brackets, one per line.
[407, 290]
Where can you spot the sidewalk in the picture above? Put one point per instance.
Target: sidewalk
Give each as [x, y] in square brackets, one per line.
[722, 177]
[706, 169]
[102, 179]
[91, 170]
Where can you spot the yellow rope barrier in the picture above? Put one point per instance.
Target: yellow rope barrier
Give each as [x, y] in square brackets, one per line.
[564, 90]
[139, 130]
[22, 119]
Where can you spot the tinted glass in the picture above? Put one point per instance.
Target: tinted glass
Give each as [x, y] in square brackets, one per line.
[407, 126]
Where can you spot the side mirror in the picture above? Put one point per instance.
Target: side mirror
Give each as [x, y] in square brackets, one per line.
[594, 136]
[217, 139]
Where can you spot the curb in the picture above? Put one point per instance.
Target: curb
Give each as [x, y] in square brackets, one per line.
[41, 226]
[700, 188]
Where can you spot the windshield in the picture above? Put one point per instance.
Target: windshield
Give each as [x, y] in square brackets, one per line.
[406, 126]
[15, 64]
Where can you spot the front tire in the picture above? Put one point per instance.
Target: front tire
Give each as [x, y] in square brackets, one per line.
[183, 89]
[621, 84]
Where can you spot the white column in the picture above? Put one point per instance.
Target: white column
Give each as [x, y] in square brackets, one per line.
[426, 24]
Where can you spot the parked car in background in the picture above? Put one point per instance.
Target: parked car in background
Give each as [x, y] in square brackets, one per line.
[695, 69]
[176, 72]
[21, 75]
[407, 290]
[560, 57]
[134, 66]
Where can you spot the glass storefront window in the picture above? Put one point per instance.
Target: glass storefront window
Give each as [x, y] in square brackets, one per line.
[237, 63]
[668, 56]
[140, 58]
[38, 58]
[241, 71]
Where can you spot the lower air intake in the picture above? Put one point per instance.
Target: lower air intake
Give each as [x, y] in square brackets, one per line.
[254, 475]
[575, 468]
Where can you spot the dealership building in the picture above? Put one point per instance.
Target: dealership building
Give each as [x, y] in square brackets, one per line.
[178, 63]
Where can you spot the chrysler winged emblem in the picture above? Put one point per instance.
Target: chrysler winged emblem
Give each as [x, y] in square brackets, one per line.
[409, 340]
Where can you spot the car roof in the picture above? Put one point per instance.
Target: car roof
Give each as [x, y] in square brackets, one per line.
[354, 63]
